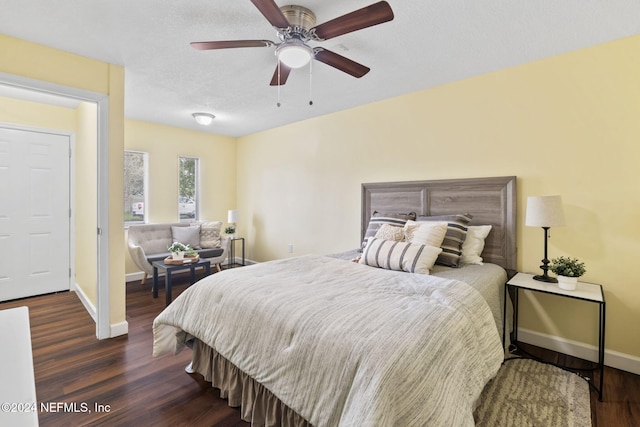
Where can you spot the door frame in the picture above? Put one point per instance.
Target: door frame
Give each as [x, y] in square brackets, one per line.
[103, 307]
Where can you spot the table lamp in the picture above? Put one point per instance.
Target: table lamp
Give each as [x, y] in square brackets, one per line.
[233, 216]
[545, 212]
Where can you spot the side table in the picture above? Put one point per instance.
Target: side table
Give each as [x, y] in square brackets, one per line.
[170, 268]
[584, 291]
[232, 251]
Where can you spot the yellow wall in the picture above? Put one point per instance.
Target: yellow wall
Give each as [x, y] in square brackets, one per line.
[118, 301]
[86, 201]
[43, 116]
[165, 144]
[22, 58]
[565, 125]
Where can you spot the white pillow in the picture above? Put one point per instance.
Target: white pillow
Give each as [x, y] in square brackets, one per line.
[400, 256]
[429, 233]
[187, 235]
[390, 232]
[474, 244]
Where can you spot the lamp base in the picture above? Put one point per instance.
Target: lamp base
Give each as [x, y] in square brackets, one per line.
[545, 278]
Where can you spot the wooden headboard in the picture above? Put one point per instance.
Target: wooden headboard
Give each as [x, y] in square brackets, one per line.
[491, 201]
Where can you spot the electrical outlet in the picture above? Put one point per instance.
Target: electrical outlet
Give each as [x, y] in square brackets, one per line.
[290, 248]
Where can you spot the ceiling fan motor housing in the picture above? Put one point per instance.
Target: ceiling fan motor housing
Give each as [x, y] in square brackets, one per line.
[299, 17]
[294, 51]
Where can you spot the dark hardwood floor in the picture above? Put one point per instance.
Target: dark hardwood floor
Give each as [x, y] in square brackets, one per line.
[72, 366]
[130, 388]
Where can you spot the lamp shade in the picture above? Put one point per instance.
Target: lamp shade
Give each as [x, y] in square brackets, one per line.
[233, 216]
[544, 211]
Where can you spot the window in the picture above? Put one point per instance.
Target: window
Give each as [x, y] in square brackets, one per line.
[188, 188]
[135, 187]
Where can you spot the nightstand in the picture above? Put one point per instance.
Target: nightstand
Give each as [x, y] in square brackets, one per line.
[584, 291]
[232, 251]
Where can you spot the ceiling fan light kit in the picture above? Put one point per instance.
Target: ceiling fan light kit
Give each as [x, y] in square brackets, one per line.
[296, 26]
[203, 119]
[294, 53]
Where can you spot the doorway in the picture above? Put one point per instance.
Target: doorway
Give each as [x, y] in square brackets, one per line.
[38, 87]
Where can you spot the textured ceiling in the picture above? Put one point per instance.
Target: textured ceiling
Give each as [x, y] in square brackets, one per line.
[428, 43]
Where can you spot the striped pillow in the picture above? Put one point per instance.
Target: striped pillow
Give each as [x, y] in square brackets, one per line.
[377, 219]
[400, 256]
[453, 239]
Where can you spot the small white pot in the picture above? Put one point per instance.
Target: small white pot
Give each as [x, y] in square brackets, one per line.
[177, 255]
[567, 283]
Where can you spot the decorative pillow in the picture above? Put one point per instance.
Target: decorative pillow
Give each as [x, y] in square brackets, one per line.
[390, 232]
[453, 239]
[210, 234]
[377, 219]
[400, 256]
[474, 244]
[430, 233]
[187, 235]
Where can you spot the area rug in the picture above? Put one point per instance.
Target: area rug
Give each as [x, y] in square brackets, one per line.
[529, 393]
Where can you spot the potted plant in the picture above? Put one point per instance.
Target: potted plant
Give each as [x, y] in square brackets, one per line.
[178, 250]
[568, 270]
[231, 231]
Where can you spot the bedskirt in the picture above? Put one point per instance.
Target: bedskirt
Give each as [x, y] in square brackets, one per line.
[257, 404]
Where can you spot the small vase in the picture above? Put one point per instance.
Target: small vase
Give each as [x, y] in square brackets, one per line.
[567, 283]
[177, 255]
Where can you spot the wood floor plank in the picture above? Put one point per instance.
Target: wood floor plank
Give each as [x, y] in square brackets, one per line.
[73, 367]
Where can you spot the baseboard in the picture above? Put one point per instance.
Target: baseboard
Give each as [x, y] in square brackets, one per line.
[614, 359]
[88, 305]
[132, 277]
[247, 261]
[116, 330]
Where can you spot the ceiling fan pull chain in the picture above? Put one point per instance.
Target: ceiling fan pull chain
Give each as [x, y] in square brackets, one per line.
[278, 103]
[310, 82]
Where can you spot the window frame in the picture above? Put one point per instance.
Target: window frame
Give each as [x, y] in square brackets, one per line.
[196, 189]
[145, 189]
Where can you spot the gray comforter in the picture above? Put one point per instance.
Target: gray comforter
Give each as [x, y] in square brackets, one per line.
[344, 344]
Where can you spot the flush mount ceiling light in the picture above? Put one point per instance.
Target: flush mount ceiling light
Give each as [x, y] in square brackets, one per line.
[203, 119]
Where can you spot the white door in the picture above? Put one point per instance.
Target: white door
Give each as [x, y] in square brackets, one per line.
[34, 213]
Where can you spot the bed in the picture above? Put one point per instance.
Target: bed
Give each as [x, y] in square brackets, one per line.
[319, 340]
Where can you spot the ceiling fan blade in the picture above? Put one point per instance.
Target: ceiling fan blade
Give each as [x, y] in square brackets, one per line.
[341, 63]
[284, 75]
[368, 16]
[272, 12]
[229, 44]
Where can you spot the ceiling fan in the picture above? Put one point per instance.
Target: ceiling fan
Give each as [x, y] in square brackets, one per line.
[296, 26]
